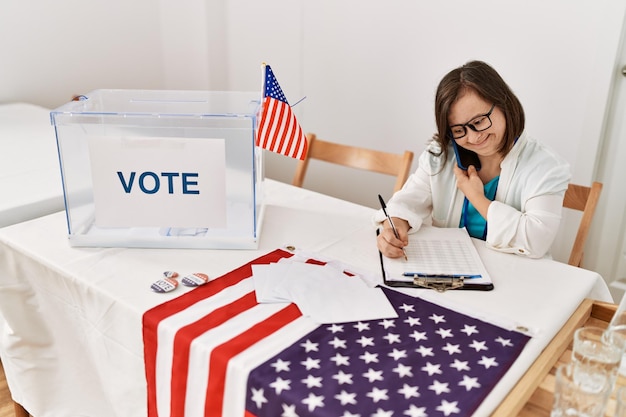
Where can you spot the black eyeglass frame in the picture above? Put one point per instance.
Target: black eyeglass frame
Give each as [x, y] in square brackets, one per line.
[470, 124]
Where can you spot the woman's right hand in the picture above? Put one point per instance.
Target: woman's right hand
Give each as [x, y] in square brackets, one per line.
[388, 244]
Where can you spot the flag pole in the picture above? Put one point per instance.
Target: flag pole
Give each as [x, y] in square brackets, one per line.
[263, 65]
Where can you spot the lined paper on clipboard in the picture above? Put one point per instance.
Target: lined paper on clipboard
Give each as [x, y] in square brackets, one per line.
[435, 251]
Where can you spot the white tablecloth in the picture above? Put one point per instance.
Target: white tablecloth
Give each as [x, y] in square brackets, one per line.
[72, 341]
[30, 178]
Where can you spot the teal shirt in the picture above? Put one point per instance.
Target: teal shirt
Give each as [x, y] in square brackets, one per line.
[472, 220]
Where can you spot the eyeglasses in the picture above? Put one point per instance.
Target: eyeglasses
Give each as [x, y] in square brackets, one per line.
[477, 124]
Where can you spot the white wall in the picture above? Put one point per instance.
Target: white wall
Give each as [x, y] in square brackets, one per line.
[369, 69]
[53, 50]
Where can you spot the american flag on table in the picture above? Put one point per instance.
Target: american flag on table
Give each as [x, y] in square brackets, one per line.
[216, 352]
[278, 130]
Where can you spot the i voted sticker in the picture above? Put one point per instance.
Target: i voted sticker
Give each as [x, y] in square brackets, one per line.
[195, 279]
[164, 285]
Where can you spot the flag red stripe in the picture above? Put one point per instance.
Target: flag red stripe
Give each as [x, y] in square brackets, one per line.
[182, 344]
[221, 355]
[266, 121]
[284, 127]
[304, 145]
[288, 143]
[278, 136]
[289, 135]
[154, 316]
[262, 125]
[300, 142]
[272, 121]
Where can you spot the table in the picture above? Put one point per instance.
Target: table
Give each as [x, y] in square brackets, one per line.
[30, 178]
[72, 341]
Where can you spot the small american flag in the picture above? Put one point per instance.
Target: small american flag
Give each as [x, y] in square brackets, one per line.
[278, 130]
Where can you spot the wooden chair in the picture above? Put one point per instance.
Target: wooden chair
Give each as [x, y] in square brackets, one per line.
[19, 410]
[585, 199]
[398, 165]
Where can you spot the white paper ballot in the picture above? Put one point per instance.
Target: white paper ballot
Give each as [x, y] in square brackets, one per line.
[267, 282]
[324, 293]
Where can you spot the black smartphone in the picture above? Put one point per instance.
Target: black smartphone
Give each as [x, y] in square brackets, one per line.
[465, 158]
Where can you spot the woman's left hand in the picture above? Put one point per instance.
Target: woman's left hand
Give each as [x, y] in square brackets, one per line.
[469, 182]
[472, 186]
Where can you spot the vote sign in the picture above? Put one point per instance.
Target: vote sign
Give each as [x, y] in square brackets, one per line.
[158, 181]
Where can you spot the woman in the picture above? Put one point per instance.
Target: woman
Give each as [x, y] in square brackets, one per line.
[511, 197]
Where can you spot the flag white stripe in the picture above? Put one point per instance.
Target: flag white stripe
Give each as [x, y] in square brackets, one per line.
[168, 328]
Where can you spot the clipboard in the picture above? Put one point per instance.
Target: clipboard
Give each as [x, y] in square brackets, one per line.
[438, 258]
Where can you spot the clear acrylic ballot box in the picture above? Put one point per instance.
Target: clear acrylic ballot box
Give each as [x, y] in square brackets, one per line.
[161, 169]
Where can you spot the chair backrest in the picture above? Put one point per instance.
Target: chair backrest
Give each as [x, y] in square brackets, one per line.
[585, 199]
[398, 165]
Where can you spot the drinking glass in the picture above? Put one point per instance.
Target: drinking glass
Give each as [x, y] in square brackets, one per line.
[573, 399]
[595, 356]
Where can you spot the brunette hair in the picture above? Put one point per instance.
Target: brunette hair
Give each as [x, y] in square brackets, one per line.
[488, 84]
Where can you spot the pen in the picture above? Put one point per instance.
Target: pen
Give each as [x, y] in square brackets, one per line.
[393, 227]
[425, 275]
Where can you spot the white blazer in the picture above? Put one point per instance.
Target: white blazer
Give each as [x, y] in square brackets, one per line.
[525, 215]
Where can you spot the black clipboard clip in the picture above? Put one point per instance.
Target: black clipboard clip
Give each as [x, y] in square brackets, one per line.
[440, 283]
